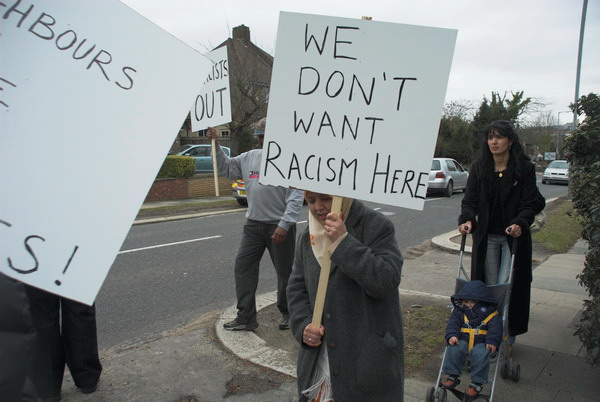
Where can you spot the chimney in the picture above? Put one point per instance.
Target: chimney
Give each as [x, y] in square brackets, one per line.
[241, 32]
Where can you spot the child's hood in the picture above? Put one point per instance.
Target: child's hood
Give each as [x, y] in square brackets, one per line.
[474, 290]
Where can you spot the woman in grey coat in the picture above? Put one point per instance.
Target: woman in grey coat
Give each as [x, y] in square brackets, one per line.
[357, 353]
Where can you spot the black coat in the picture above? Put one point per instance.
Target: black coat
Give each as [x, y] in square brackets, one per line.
[17, 338]
[519, 199]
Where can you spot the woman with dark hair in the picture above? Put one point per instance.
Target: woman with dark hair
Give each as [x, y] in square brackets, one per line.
[500, 203]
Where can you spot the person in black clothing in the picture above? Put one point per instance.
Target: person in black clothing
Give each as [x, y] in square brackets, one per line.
[17, 339]
[500, 203]
[66, 334]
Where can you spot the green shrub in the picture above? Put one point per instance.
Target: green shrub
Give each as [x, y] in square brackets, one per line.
[583, 148]
[180, 167]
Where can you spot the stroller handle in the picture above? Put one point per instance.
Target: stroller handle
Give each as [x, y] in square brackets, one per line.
[463, 242]
[515, 243]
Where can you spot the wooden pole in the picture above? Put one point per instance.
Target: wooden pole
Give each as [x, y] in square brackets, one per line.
[214, 161]
[336, 207]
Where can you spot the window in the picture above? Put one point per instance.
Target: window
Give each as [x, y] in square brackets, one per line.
[225, 133]
[435, 165]
[458, 167]
[558, 165]
[450, 165]
[198, 151]
[202, 133]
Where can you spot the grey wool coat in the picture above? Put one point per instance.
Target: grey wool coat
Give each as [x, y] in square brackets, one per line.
[362, 316]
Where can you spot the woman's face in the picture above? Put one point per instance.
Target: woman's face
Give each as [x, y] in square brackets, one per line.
[498, 144]
[318, 204]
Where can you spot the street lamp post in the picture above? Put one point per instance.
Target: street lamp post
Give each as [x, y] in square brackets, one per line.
[558, 131]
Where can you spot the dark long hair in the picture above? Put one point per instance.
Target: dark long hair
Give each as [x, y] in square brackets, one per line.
[484, 161]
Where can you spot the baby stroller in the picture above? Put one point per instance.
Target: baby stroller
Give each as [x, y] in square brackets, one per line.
[502, 361]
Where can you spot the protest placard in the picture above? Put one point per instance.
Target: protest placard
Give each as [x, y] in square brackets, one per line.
[212, 106]
[355, 106]
[97, 96]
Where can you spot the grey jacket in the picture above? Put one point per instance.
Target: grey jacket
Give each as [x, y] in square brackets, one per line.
[268, 204]
[362, 316]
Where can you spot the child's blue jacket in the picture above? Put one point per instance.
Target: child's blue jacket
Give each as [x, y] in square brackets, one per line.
[486, 305]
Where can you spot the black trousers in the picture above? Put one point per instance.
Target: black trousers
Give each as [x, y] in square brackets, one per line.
[255, 239]
[67, 334]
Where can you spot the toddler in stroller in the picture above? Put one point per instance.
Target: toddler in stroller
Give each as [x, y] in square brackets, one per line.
[474, 329]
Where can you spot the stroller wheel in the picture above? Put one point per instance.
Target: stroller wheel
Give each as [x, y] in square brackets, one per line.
[516, 374]
[430, 397]
[504, 370]
[443, 395]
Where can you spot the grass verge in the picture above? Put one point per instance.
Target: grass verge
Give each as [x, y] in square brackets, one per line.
[424, 328]
[186, 208]
[562, 228]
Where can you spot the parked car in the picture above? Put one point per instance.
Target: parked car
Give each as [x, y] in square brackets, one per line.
[556, 172]
[238, 190]
[447, 176]
[201, 154]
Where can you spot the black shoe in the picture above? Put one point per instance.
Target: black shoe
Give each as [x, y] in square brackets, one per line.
[285, 323]
[89, 390]
[236, 325]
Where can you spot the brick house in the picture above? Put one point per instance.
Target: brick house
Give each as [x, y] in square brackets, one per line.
[249, 79]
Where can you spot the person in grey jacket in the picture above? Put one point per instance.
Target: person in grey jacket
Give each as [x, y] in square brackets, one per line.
[271, 224]
[357, 352]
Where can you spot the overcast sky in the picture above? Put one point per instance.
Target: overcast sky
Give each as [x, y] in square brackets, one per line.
[508, 45]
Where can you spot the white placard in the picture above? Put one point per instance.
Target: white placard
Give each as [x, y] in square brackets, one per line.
[355, 107]
[96, 97]
[212, 106]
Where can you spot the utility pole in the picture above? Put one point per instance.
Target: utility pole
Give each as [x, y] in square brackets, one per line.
[581, 32]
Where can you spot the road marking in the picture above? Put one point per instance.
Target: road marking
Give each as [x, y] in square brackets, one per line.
[377, 209]
[435, 199]
[168, 244]
[302, 222]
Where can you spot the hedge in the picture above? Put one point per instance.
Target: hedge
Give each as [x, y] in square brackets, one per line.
[583, 148]
[179, 167]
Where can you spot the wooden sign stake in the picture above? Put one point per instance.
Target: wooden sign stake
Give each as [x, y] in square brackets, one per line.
[336, 207]
[214, 161]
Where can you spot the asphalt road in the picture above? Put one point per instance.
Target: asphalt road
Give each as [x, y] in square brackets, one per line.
[170, 273]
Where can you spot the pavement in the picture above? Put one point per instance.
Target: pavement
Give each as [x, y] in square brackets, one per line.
[204, 362]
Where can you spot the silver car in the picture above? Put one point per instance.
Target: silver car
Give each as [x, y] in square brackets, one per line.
[447, 176]
[201, 154]
[556, 172]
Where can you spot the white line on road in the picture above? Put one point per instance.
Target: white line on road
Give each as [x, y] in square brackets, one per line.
[167, 245]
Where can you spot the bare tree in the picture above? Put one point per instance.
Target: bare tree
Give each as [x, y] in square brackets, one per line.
[249, 79]
[539, 134]
[249, 85]
[462, 109]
